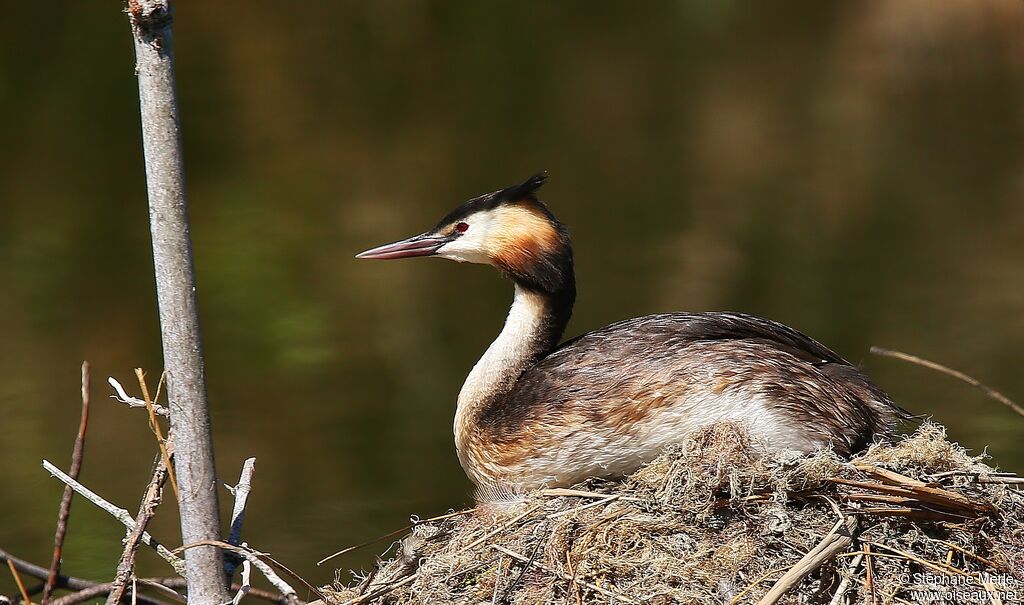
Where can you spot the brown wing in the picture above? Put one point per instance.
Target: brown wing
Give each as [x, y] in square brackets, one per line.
[633, 366]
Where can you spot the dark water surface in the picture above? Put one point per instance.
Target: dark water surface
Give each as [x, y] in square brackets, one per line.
[855, 170]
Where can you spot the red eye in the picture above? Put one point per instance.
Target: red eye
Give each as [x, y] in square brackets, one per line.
[462, 227]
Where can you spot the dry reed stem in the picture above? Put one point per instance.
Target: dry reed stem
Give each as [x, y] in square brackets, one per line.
[970, 554]
[391, 534]
[869, 574]
[911, 557]
[500, 529]
[17, 580]
[529, 562]
[930, 495]
[380, 591]
[155, 427]
[938, 367]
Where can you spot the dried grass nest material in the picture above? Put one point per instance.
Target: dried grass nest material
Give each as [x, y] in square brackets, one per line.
[715, 520]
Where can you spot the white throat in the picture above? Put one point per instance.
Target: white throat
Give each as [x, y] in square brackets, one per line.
[507, 356]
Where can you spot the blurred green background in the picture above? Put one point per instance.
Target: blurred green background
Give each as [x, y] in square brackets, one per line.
[855, 170]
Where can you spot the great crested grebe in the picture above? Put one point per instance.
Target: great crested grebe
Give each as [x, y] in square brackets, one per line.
[533, 413]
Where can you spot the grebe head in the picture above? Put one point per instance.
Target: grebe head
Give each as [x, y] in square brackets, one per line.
[509, 229]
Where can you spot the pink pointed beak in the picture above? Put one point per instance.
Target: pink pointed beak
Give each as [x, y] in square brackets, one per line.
[424, 244]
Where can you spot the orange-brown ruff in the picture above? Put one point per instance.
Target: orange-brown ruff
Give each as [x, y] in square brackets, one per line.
[534, 413]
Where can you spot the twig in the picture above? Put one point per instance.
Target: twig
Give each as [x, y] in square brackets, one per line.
[898, 485]
[989, 391]
[65, 502]
[160, 385]
[970, 554]
[583, 507]
[392, 534]
[281, 566]
[165, 584]
[771, 572]
[910, 557]
[380, 591]
[118, 513]
[79, 584]
[564, 576]
[40, 572]
[155, 427]
[245, 586]
[825, 551]
[844, 585]
[99, 590]
[869, 574]
[497, 581]
[147, 509]
[993, 593]
[17, 580]
[1003, 480]
[500, 529]
[556, 492]
[263, 567]
[241, 494]
[891, 597]
[519, 577]
[574, 570]
[133, 402]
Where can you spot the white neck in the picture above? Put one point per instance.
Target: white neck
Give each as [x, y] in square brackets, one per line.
[506, 358]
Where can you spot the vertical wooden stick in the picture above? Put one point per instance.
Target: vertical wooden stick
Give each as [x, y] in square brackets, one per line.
[65, 502]
[176, 298]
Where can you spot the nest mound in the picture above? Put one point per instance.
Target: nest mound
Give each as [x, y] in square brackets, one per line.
[716, 520]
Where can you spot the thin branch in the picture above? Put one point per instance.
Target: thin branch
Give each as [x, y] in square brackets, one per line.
[166, 584]
[147, 509]
[241, 494]
[392, 534]
[79, 584]
[40, 572]
[263, 567]
[838, 539]
[155, 427]
[133, 402]
[65, 502]
[118, 513]
[837, 599]
[100, 590]
[989, 391]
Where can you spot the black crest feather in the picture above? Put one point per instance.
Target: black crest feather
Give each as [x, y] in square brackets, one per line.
[527, 190]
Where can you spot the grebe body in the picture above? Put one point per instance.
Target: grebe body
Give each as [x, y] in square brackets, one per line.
[533, 413]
